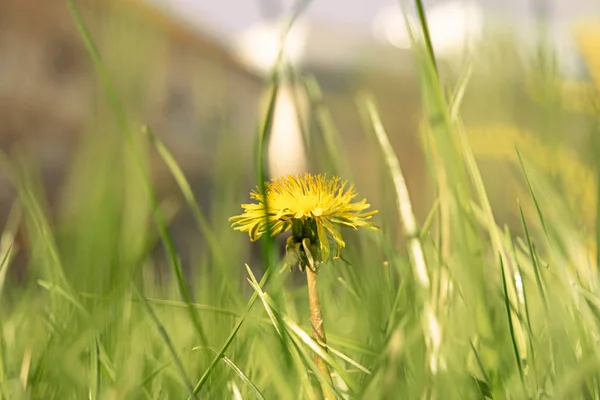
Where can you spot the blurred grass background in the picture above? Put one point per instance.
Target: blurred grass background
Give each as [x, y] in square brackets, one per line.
[129, 138]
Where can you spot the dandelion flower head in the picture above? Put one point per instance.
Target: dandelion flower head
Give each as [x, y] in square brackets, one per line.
[302, 201]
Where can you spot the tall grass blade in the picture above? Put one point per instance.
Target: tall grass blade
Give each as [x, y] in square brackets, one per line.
[134, 151]
[165, 336]
[293, 331]
[186, 190]
[407, 218]
[229, 340]
[425, 29]
[534, 261]
[7, 243]
[507, 303]
[531, 191]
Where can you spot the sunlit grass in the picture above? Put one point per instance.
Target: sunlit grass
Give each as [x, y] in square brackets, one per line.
[463, 307]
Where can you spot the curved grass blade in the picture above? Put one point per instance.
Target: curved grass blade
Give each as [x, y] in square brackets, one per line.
[531, 192]
[326, 128]
[7, 241]
[186, 190]
[534, 262]
[230, 338]
[403, 201]
[243, 376]
[8, 249]
[123, 125]
[291, 327]
[165, 336]
[40, 225]
[240, 373]
[511, 327]
[262, 143]
[56, 289]
[268, 244]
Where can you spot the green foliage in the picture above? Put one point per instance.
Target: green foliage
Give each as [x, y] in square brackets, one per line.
[463, 308]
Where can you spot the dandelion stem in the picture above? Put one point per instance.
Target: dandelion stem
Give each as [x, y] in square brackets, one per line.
[318, 329]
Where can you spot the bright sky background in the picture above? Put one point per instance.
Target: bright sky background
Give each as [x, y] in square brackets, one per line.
[342, 32]
[227, 20]
[231, 17]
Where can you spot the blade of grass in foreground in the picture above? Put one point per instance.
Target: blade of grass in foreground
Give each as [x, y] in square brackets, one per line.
[186, 190]
[269, 251]
[431, 327]
[239, 373]
[277, 318]
[426, 35]
[534, 262]
[3, 369]
[287, 328]
[407, 218]
[119, 112]
[7, 249]
[455, 131]
[165, 336]
[37, 221]
[95, 374]
[507, 303]
[326, 128]
[262, 145]
[531, 192]
[61, 292]
[230, 338]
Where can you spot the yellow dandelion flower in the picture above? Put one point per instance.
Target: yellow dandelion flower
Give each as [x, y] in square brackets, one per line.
[313, 207]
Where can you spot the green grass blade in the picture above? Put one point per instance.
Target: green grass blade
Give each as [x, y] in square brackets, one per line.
[98, 64]
[429, 219]
[119, 112]
[507, 303]
[534, 262]
[165, 336]
[425, 29]
[264, 133]
[95, 370]
[291, 327]
[230, 338]
[407, 218]
[326, 129]
[531, 191]
[242, 376]
[3, 364]
[186, 190]
[7, 243]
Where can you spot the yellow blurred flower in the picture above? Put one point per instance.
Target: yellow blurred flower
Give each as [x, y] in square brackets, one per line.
[313, 207]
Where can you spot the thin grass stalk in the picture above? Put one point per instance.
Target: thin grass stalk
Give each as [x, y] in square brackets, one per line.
[229, 339]
[431, 326]
[170, 345]
[186, 190]
[404, 203]
[119, 112]
[455, 136]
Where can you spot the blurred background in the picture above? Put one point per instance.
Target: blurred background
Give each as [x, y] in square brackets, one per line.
[197, 72]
